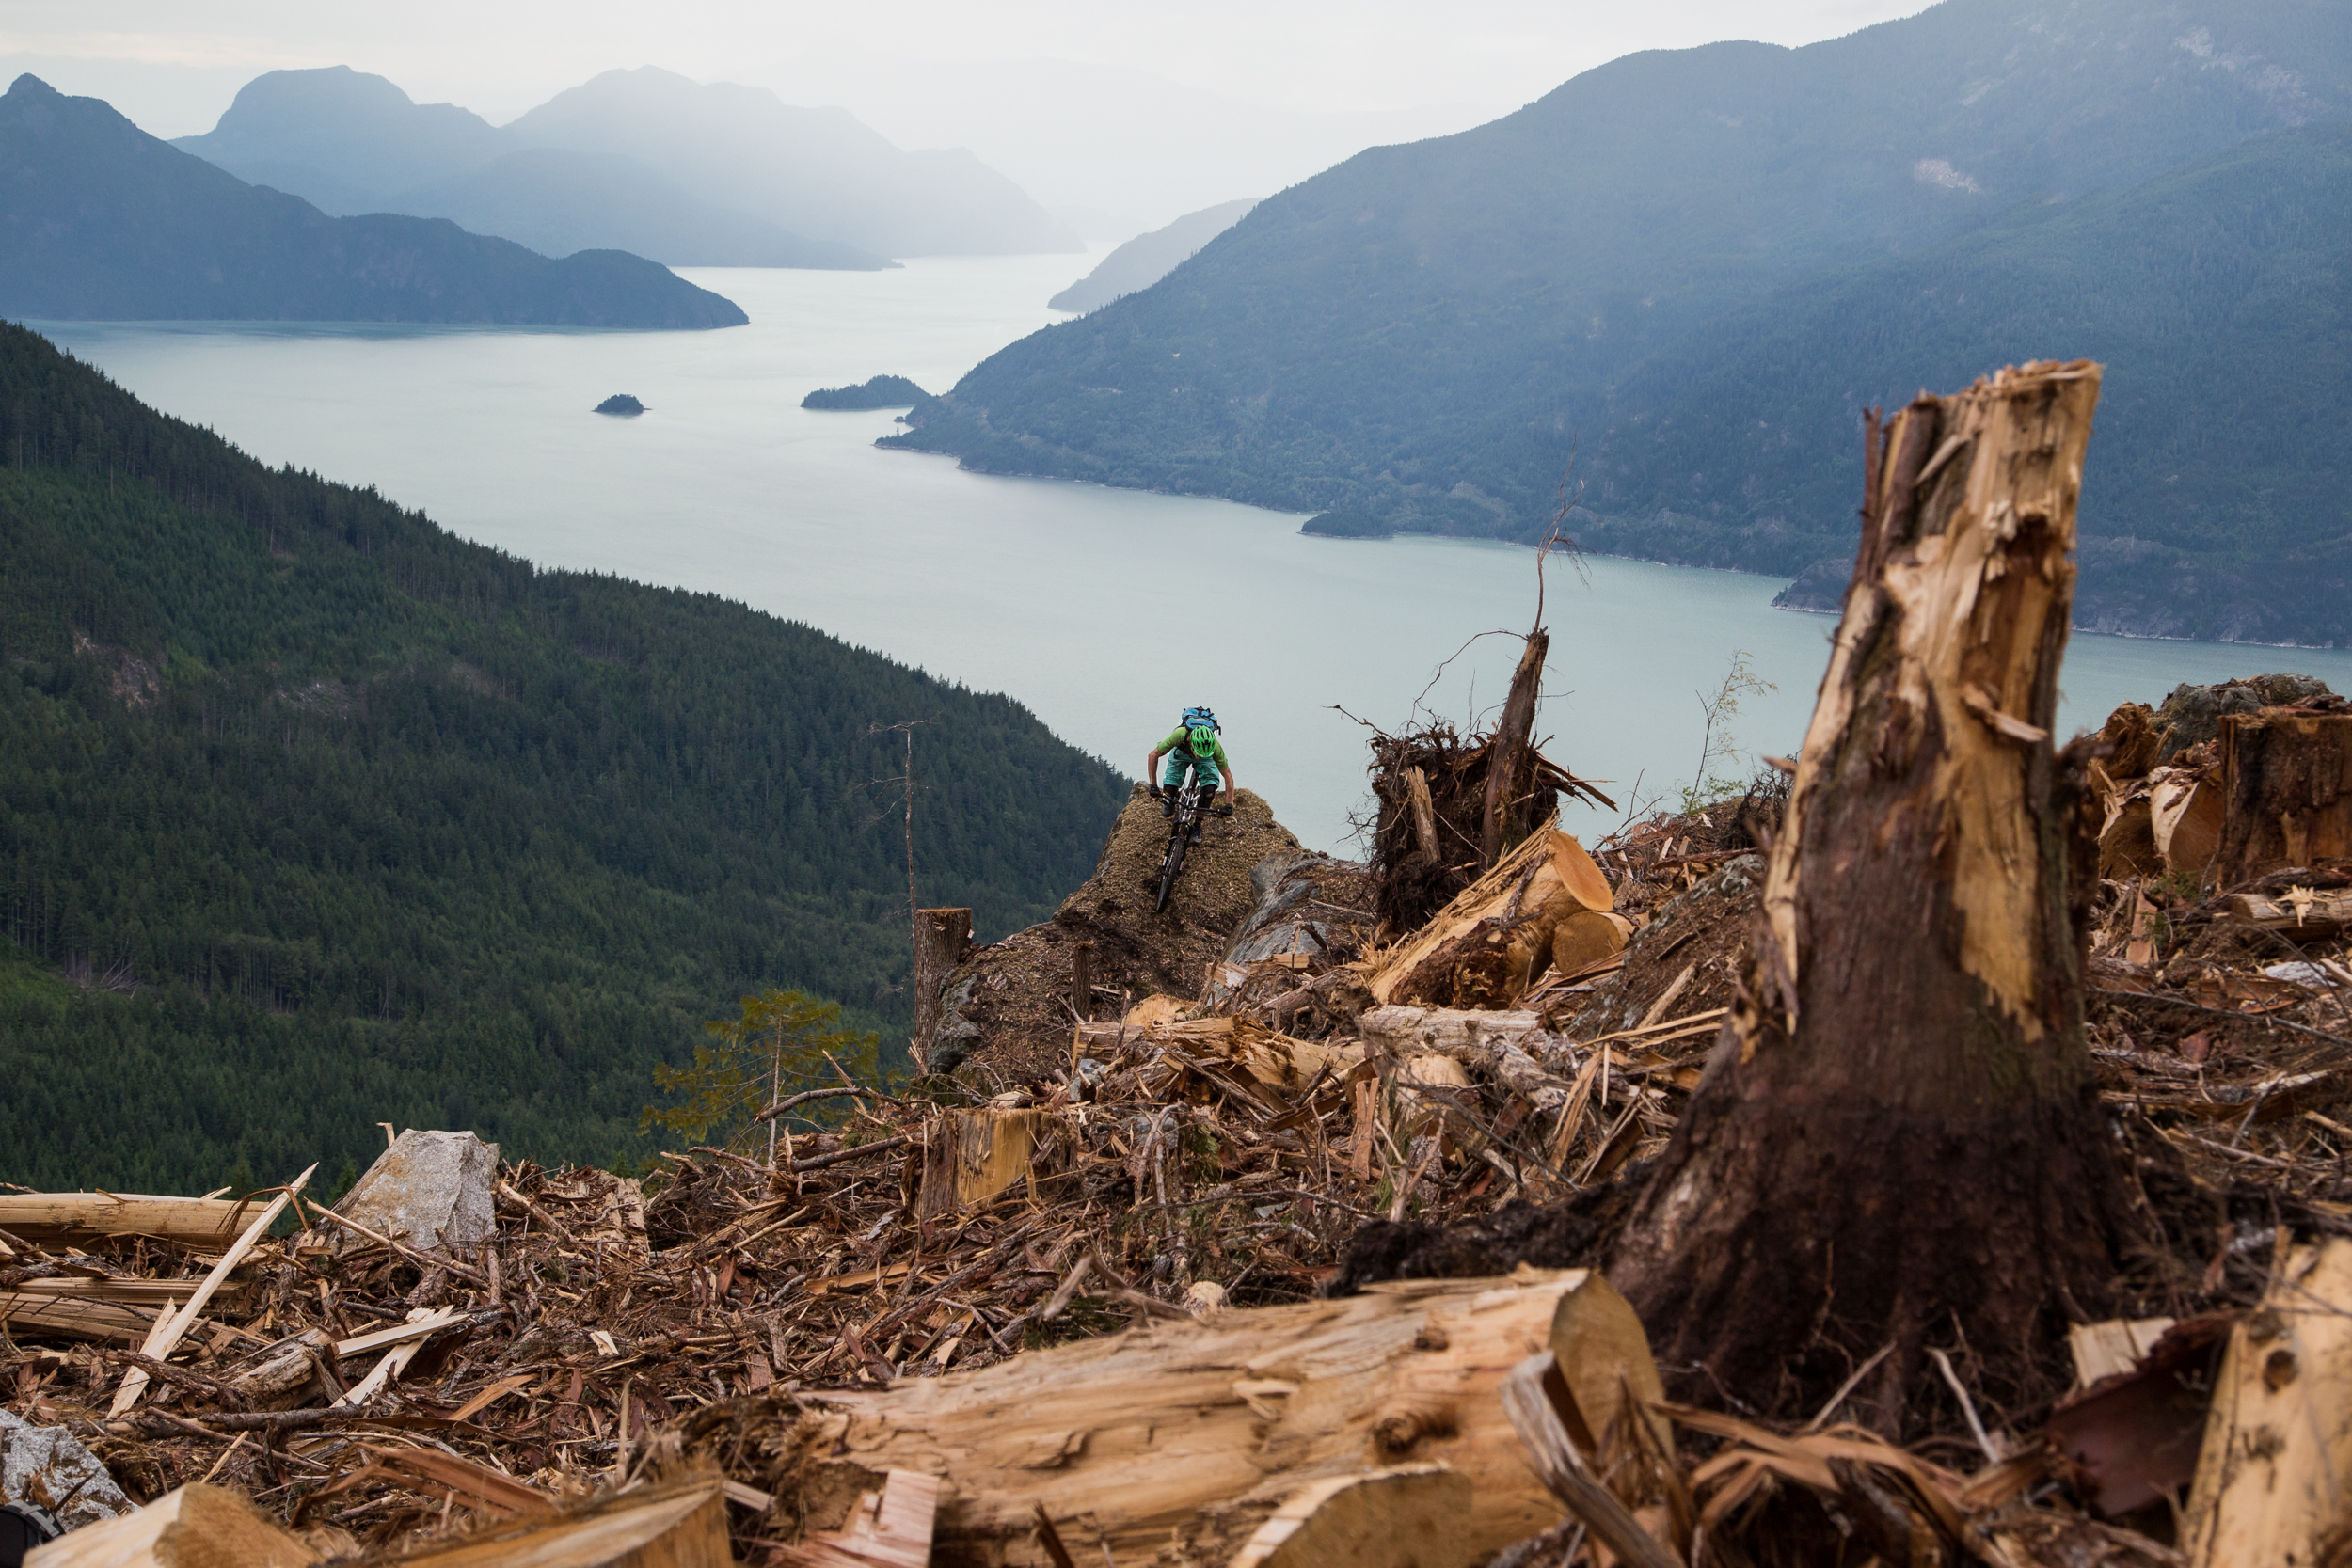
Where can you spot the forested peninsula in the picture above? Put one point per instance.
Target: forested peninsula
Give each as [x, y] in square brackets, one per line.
[314, 816]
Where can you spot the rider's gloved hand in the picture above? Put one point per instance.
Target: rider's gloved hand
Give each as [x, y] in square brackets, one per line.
[1225, 811]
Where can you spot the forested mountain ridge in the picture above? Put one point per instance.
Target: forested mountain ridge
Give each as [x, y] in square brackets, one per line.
[1418, 339]
[384, 825]
[2217, 494]
[1146, 259]
[100, 221]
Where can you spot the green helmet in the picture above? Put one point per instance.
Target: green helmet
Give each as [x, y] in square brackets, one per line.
[1203, 740]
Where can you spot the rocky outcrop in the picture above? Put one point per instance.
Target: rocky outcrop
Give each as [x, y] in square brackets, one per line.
[1007, 1009]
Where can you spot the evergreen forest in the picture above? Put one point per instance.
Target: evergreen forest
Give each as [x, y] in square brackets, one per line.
[314, 816]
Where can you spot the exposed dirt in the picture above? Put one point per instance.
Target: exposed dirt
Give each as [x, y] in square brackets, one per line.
[1014, 995]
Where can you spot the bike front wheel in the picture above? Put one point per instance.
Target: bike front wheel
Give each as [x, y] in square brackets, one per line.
[1170, 863]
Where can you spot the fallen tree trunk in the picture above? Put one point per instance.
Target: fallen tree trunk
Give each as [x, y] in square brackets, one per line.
[1185, 1437]
[208, 1223]
[1897, 1133]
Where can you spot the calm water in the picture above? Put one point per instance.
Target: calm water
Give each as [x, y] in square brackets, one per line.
[1104, 611]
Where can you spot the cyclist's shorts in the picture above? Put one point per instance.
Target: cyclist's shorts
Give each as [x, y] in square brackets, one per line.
[1172, 776]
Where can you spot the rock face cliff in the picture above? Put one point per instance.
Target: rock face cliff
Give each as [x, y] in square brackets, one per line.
[1007, 1008]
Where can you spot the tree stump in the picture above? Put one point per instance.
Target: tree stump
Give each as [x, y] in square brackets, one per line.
[942, 939]
[1898, 1134]
[2286, 786]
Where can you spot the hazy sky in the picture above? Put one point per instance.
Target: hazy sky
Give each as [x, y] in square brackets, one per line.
[498, 57]
[996, 77]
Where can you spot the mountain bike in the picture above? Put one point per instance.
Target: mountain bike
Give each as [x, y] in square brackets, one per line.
[1192, 804]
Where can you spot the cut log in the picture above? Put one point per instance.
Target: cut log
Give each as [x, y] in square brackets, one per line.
[196, 1527]
[2274, 1477]
[1183, 1437]
[680, 1525]
[889, 1528]
[971, 1156]
[1897, 1138]
[1156, 1009]
[1399, 1518]
[943, 939]
[1500, 1045]
[2127, 844]
[1484, 948]
[206, 1224]
[2184, 822]
[2287, 781]
[2310, 916]
[1586, 937]
[41, 1314]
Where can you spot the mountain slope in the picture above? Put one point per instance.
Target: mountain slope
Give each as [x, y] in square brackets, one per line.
[355, 143]
[1148, 258]
[383, 824]
[557, 202]
[334, 134]
[1416, 339]
[2218, 494]
[817, 169]
[98, 220]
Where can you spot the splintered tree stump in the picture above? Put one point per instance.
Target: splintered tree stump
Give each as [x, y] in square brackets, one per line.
[943, 939]
[1897, 1138]
[2286, 786]
[1511, 773]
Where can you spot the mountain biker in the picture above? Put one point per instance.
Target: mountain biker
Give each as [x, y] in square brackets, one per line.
[1193, 746]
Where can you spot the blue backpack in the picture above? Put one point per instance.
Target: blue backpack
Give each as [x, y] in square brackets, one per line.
[1196, 717]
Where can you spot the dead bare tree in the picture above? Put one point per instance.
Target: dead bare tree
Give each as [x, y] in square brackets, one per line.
[1898, 1141]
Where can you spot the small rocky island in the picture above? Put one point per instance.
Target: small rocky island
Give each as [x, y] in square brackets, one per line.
[621, 402]
[883, 391]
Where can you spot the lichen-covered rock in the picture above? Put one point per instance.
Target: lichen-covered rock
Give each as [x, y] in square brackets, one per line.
[47, 1468]
[429, 1190]
[2193, 714]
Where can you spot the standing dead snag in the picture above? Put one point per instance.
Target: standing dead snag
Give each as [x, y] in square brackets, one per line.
[1510, 770]
[1897, 1138]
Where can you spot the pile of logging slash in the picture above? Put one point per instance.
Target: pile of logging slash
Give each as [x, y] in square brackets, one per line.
[1321, 1265]
[1189, 1188]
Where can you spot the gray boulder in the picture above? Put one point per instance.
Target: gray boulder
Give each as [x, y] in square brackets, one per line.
[47, 1468]
[429, 1190]
[2193, 714]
